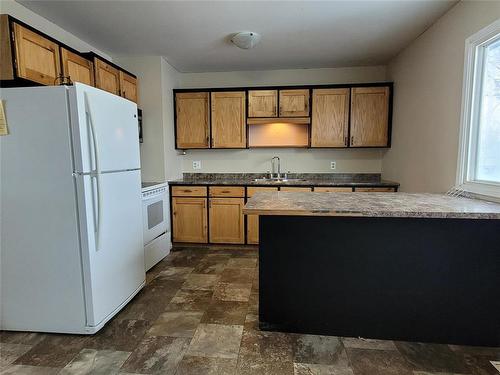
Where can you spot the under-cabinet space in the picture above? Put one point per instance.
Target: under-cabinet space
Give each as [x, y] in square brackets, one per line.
[278, 134]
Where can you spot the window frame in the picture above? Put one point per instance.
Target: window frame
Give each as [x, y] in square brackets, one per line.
[469, 122]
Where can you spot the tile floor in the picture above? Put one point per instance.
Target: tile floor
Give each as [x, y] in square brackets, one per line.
[198, 315]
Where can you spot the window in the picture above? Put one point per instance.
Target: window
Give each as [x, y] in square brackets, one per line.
[479, 157]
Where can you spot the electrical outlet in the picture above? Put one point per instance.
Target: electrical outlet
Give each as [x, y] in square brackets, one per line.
[197, 164]
[333, 165]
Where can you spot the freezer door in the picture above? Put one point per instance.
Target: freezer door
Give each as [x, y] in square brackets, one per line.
[114, 119]
[110, 211]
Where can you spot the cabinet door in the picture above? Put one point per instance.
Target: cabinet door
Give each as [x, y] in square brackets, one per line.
[192, 120]
[375, 189]
[228, 120]
[330, 117]
[262, 103]
[189, 219]
[296, 189]
[253, 220]
[227, 223]
[333, 189]
[37, 57]
[77, 68]
[294, 103]
[369, 117]
[128, 86]
[107, 77]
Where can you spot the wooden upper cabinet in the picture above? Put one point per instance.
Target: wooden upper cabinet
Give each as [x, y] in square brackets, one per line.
[330, 117]
[128, 86]
[192, 120]
[77, 68]
[262, 103]
[37, 57]
[294, 103]
[107, 77]
[227, 222]
[228, 119]
[369, 117]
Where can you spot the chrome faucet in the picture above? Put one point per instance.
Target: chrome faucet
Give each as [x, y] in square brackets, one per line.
[273, 174]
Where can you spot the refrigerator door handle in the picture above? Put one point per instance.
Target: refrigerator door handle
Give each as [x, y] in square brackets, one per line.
[97, 172]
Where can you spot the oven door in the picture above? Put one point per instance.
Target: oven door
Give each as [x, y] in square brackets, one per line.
[154, 214]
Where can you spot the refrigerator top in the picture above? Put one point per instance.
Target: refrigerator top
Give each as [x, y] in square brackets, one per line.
[105, 131]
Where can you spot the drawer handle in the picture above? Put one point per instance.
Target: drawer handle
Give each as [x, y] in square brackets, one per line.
[225, 191]
[187, 191]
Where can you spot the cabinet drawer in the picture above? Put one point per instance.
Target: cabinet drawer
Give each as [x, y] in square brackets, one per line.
[251, 190]
[227, 191]
[295, 189]
[375, 189]
[189, 191]
[333, 189]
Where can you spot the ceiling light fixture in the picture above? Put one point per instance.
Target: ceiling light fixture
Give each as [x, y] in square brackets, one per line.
[246, 39]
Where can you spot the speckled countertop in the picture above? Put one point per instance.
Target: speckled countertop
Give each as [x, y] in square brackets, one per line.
[370, 205]
[300, 179]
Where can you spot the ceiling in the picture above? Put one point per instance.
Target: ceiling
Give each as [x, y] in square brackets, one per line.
[194, 35]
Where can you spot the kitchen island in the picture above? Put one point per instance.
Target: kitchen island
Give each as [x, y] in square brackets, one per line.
[416, 267]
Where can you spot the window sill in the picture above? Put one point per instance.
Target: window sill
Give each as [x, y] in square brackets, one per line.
[482, 188]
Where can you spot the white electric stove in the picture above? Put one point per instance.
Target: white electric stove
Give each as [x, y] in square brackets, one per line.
[155, 215]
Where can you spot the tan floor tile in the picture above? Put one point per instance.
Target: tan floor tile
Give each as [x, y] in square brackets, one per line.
[315, 369]
[358, 343]
[216, 341]
[95, 362]
[157, 355]
[242, 263]
[200, 282]
[232, 292]
[30, 370]
[191, 365]
[176, 324]
[10, 352]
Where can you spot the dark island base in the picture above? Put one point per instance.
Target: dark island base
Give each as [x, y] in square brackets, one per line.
[413, 279]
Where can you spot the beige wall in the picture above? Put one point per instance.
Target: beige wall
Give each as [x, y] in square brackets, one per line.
[38, 22]
[295, 160]
[159, 160]
[428, 78]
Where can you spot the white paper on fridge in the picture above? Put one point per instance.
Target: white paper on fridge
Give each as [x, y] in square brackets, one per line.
[4, 130]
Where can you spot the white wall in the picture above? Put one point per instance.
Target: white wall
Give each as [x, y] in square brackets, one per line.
[38, 22]
[428, 78]
[295, 160]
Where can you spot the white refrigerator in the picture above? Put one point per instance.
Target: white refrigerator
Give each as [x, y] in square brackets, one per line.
[71, 252]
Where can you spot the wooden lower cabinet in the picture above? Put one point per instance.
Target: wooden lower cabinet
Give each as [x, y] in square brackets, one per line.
[295, 189]
[253, 220]
[375, 189]
[227, 223]
[189, 219]
[333, 189]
